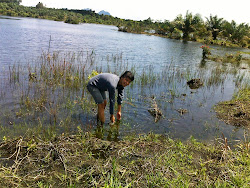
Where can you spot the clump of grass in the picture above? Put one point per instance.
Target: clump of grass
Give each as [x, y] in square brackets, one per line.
[148, 77]
[230, 58]
[14, 74]
[145, 161]
[217, 76]
[237, 110]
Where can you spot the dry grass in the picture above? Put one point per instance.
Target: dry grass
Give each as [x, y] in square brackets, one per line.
[236, 111]
[145, 161]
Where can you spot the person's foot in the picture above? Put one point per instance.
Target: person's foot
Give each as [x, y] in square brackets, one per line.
[99, 123]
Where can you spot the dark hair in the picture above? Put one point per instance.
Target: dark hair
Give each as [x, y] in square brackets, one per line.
[128, 74]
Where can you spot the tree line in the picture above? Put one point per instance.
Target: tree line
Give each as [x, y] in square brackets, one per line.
[213, 30]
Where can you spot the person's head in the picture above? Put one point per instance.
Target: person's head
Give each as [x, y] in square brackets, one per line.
[126, 78]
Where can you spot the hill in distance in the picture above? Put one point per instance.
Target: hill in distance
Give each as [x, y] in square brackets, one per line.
[103, 12]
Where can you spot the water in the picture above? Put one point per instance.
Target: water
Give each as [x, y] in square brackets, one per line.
[23, 40]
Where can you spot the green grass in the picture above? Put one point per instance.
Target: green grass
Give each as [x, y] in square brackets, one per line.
[236, 58]
[237, 110]
[145, 161]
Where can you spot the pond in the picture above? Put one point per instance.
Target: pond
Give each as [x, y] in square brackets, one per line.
[162, 68]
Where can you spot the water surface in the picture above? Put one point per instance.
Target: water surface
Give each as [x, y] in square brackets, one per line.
[23, 40]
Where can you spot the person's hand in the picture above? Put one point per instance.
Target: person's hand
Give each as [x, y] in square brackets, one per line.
[119, 116]
[112, 118]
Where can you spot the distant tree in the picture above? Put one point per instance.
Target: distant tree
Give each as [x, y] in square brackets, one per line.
[188, 24]
[164, 28]
[148, 21]
[191, 24]
[11, 1]
[72, 19]
[178, 20]
[241, 31]
[229, 29]
[214, 25]
[39, 5]
[235, 32]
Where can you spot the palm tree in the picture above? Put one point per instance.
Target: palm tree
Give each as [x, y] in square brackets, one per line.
[188, 24]
[241, 31]
[214, 24]
[235, 32]
[39, 5]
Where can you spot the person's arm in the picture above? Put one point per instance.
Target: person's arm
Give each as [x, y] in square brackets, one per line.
[112, 102]
[119, 101]
[112, 118]
[119, 112]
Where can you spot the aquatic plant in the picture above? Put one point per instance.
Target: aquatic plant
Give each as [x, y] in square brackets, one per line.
[93, 73]
[205, 51]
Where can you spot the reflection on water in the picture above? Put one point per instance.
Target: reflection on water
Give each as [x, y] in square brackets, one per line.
[162, 68]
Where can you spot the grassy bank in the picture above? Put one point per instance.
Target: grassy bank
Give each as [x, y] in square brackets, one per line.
[136, 161]
[237, 110]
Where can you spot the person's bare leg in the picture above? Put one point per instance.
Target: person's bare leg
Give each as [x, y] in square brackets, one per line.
[105, 103]
[100, 114]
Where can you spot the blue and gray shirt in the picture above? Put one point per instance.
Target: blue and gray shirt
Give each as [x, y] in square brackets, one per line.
[108, 82]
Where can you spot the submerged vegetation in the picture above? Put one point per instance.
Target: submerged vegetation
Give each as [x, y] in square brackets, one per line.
[213, 30]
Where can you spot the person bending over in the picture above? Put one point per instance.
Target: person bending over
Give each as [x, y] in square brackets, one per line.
[108, 82]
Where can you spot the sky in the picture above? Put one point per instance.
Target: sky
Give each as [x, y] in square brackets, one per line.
[157, 10]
